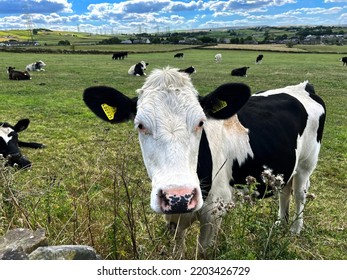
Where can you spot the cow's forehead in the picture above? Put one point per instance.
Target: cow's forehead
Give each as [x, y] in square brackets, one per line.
[167, 93]
[165, 79]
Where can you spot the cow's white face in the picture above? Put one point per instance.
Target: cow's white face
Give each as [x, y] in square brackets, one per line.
[144, 65]
[170, 122]
[170, 118]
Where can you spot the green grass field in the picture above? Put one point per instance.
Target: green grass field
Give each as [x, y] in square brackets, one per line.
[89, 185]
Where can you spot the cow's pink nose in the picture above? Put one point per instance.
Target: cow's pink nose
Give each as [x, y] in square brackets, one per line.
[177, 201]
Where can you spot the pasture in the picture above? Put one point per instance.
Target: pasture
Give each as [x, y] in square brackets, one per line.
[89, 185]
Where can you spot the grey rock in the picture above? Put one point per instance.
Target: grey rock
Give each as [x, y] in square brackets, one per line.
[18, 242]
[13, 254]
[64, 252]
[25, 244]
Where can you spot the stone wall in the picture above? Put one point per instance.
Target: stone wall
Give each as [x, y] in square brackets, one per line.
[25, 244]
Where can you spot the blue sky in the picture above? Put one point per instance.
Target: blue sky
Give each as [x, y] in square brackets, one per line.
[132, 16]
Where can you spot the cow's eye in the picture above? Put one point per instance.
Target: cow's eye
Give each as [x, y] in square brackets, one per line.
[142, 129]
[200, 125]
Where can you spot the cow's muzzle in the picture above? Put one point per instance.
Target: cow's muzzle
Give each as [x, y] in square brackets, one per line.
[18, 160]
[178, 201]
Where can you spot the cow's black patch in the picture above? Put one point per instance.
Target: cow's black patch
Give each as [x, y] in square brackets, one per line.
[204, 168]
[138, 69]
[274, 124]
[310, 89]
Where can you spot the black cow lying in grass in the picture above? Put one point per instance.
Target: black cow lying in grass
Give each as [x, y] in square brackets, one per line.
[179, 55]
[9, 144]
[242, 72]
[190, 70]
[17, 75]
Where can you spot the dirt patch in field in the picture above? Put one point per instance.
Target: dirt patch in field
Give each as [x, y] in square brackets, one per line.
[274, 48]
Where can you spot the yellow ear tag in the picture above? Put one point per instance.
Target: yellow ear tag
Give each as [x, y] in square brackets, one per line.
[219, 106]
[109, 111]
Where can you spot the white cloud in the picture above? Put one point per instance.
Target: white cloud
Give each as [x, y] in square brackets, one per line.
[314, 11]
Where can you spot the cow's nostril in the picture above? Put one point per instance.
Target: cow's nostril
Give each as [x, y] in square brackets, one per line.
[164, 199]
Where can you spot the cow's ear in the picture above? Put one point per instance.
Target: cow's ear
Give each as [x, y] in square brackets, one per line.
[226, 100]
[21, 125]
[109, 104]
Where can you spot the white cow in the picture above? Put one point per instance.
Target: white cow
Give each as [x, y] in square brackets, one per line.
[218, 58]
[196, 147]
[36, 66]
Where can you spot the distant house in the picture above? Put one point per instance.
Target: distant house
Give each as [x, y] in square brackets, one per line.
[126, 42]
[142, 41]
[224, 40]
[311, 40]
[333, 39]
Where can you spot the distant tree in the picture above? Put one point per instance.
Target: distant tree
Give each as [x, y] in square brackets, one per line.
[64, 43]
[207, 39]
[155, 40]
[289, 44]
[281, 37]
[235, 40]
[174, 39]
[110, 41]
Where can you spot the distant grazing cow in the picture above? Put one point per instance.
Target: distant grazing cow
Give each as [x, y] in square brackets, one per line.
[36, 66]
[178, 55]
[344, 60]
[9, 143]
[119, 55]
[242, 72]
[259, 59]
[190, 70]
[17, 75]
[218, 57]
[195, 146]
[138, 69]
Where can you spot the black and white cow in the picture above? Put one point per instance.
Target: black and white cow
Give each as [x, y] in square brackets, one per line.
[179, 55]
[190, 70]
[344, 60]
[9, 143]
[17, 75]
[196, 147]
[242, 72]
[36, 66]
[138, 69]
[259, 59]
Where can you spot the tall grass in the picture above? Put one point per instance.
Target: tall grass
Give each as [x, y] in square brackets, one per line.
[89, 186]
